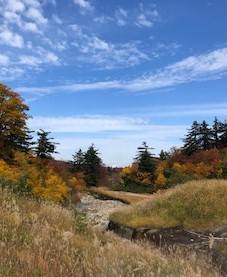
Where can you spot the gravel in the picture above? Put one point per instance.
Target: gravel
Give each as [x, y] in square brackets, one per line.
[97, 211]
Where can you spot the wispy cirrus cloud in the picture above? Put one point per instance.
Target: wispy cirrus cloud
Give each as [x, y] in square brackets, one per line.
[10, 38]
[84, 5]
[87, 124]
[121, 16]
[207, 66]
[147, 16]
[27, 15]
[105, 54]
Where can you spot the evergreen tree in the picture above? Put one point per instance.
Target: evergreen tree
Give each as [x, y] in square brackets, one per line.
[78, 161]
[44, 146]
[205, 136]
[145, 159]
[92, 166]
[163, 155]
[14, 133]
[216, 132]
[223, 136]
[191, 141]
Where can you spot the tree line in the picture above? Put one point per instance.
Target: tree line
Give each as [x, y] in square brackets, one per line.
[201, 136]
[16, 136]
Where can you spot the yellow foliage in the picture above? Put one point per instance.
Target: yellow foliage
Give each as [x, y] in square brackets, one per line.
[179, 167]
[77, 183]
[8, 172]
[161, 180]
[128, 170]
[44, 182]
[54, 188]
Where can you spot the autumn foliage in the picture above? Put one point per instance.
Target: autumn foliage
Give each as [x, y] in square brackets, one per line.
[29, 175]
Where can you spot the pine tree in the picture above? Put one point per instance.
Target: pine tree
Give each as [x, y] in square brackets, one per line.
[14, 133]
[205, 136]
[145, 159]
[44, 146]
[223, 136]
[216, 132]
[163, 155]
[191, 143]
[78, 161]
[92, 166]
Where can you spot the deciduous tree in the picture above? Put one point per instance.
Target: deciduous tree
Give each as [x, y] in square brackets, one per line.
[14, 133]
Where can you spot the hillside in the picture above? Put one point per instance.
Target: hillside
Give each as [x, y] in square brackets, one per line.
[44, 239]
[196, 205]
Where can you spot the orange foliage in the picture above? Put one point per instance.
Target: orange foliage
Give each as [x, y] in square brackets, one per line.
[44, 182]
[77, 183]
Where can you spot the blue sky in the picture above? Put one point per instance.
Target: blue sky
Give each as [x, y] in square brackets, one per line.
[116, 73]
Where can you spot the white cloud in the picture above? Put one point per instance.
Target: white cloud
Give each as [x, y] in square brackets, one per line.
[143, 21]
[87, 124]
[15, 6]
[31, 26]
[106, 54]
[199, 111]
[10, 38]
[30, 60]
[51, 58]
[84, 4]
[121, 16]
[4, 60]
[103, 19]
[10, 73]
[147, 16]
[124, 134]
[27, 15]
[194, 68]
[45, 57]
[35, 15]
[124, 147]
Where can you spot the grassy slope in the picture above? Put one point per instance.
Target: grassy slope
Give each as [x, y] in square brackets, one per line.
[126, 197]
[40, 239]
[197, 205]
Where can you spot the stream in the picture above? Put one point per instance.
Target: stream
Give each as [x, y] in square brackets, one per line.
[97, 213]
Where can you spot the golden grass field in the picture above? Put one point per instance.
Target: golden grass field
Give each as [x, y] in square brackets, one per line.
[43, 239]
[196, 205]
[126, 197]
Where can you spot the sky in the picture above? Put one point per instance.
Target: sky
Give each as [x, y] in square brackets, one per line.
[116, 73]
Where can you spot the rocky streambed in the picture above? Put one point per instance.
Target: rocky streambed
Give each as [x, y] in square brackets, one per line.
[97, 210]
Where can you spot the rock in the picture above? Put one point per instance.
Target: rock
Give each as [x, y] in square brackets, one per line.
[121, 230]
[97, 211]
[151, 232]
[220, 230]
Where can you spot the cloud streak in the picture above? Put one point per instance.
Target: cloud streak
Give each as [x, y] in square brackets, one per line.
[208, 66]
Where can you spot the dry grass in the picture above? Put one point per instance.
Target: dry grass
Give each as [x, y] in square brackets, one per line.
[41, 239]
[196, 205]
[126, 197]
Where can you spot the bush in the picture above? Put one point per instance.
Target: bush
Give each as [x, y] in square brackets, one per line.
[174, 177]
[29, 176]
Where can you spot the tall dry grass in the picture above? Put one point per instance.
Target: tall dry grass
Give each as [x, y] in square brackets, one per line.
[42, 239]
[197, 205]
